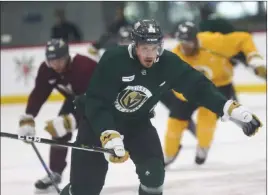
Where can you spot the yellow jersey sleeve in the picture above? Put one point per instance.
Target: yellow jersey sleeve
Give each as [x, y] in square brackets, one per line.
[177, 51]
[229, 44]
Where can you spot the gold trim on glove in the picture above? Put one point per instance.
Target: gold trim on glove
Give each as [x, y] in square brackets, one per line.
[232, 107]
[50, 128]
[116, 159]
[27, 122]
[67, 122]
[261, 71]
[107, 137]
[258, 128]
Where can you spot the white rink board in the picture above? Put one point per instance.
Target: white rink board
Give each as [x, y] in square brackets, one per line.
[236, 164]
[11, 84]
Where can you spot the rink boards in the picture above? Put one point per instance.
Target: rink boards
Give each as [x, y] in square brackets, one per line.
[19, 67]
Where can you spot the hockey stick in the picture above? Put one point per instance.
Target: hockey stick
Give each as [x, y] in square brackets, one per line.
[45, 167]
[57, 143]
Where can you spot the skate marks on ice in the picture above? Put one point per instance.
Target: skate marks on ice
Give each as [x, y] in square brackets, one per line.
[222, 179]
[210, 179]
[219, 178]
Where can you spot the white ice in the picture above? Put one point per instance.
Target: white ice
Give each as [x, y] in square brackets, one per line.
[236, 164]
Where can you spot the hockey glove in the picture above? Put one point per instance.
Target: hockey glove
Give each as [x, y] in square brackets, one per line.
[111, 139]
[26, 126]
[61, 125]
[242, 117]
[258, 64]
[93, 50]
[261, 71]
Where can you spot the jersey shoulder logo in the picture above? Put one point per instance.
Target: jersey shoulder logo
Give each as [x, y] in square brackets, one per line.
[128, 78]
[151, 29]
[132, 98]
[162, 84]
[52, 81]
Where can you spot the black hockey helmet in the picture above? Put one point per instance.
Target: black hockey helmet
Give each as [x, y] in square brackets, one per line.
[56, 48]
[206, 10]
[147, 31]
[186, 31]
[124, 34]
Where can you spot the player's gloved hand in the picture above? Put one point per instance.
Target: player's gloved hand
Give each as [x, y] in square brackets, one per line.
[93, 50]
[258, 65]
[61, 125]
[261, 71]
[26, 125]
[242, 117]
[111, 139]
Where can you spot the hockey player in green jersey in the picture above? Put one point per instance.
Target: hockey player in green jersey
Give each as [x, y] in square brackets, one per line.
[126, 85]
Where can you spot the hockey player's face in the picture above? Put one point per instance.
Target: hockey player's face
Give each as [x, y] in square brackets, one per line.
[147, 53]
[188, 47]
[58, 65]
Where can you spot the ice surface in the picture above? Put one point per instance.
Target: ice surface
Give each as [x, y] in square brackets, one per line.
[236, 164]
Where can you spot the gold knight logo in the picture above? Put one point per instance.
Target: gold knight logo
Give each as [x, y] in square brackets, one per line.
[132, 98]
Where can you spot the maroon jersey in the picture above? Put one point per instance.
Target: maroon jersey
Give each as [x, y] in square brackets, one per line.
[73, 81]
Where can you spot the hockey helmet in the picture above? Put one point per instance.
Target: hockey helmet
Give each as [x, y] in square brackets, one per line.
[124, 35]
[56, 48]
[147, 31]
[186, 31]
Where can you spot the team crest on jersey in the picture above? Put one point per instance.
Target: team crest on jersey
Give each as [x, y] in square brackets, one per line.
[132, 98]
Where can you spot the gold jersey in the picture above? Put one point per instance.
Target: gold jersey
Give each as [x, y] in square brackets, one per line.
[214, 53]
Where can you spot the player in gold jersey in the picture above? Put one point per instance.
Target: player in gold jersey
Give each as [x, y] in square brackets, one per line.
[209, 53]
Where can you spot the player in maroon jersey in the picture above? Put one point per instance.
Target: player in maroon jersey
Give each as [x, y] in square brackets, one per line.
[70, 75]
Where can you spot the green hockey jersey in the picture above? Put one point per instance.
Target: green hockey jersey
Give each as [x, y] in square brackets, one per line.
[122, 90]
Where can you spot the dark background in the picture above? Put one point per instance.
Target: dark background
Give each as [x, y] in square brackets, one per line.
[30, 23]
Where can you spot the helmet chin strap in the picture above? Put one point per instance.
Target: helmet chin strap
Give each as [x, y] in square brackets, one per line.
[161, 49]
[131, 50]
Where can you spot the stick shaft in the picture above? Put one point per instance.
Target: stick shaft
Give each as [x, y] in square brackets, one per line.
[57, 143]
[45, 167]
